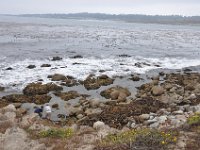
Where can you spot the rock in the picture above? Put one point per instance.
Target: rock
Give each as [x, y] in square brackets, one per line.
[116, 93]
[157, 90]
[58, 77]
[135, 78]
[56, 58]
[80, 116]
[144, 117]
[9, 68]
[77, 56]
[98, 125]
[154, 125]
[192, 97]
[55, 106]
[162, 119]
[2, 88]
[21, 111]
[197, 109]
[156, 78]
[94, 103]
[68, 95]
[178, 112]
[39, 89]
[41, 99]
[91, 83]
[17, 105]
[31, 66]
[161, 73]
[90, 111]
[75, 111]
[28, 120]
[9, 108]
[45, 65]
[69, 82]
[17, 139]
[11, 116]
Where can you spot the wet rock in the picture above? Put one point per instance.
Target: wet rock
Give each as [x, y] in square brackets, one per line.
[55, 106]
[77, 56]
[41, 99]
[70, 82]
[16, 98]
[9, 68]
[58, 77]
[161, 73]
[31, 66]
[68, 95]
[157, 90]
[45, 65]
[56, 58]
[2, 88]
[39, 88]
[92, 82]
[116, 93]
[135, 78]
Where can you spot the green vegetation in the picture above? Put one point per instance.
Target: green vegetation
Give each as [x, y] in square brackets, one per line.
[56, 133]
[194, 120]
[142, 139]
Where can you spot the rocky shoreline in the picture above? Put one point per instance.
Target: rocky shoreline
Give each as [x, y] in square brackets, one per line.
[162, 100]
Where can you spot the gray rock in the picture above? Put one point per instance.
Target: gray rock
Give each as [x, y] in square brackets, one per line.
[162, 119]
[144, 117]
[157, 90]
[178, 112]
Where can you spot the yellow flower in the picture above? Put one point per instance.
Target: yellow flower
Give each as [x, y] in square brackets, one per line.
[175, 139]
[163, 142]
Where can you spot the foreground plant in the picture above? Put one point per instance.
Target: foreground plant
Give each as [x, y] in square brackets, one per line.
[56, 133]
[138, 139]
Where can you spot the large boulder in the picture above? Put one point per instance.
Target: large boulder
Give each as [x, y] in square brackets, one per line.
[116, 93]
[58, 77]
[19, 98]
[17, 139]
[92, 82]
[39, 88]
[68, 95]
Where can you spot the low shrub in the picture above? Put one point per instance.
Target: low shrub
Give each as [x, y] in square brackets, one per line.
[56, 133]
[138, 139]
[194, 120]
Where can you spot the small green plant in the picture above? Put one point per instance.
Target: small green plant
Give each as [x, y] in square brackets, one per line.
[194, 120]
[56, 133]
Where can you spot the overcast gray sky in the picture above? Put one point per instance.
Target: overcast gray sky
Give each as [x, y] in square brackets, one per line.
[151, 7]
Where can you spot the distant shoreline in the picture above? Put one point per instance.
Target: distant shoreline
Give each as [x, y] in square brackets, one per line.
[131, 18]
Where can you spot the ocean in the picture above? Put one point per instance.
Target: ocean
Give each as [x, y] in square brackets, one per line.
[113, 48]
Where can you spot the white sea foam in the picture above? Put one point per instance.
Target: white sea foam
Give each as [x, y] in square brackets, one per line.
[21, 75]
